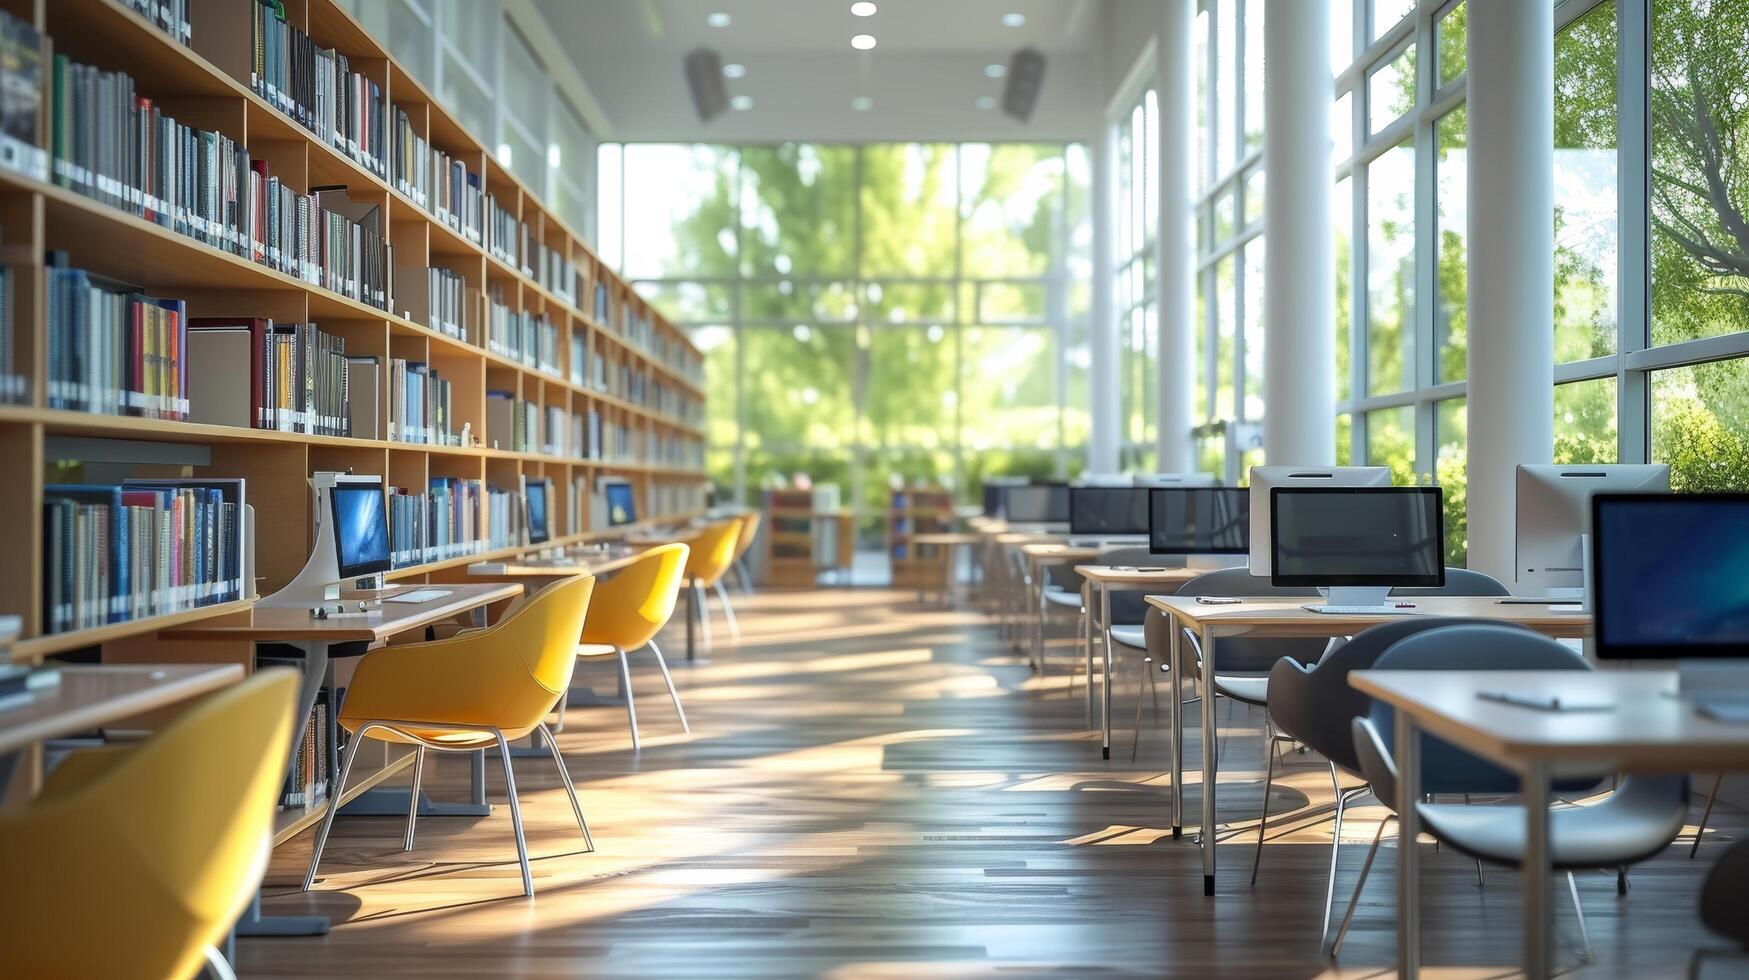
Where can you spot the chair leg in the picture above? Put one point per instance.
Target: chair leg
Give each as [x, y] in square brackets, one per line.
[1371, 852]
[728, 610]
[625, 680]
[1705, 815]
[703, 613]
[570, 790]
[669, 680]
[1479, 882]
[1579, 910]
[515, 814]
[1147, 664]
[1263, 820]
[351, 754]
[217, 967]
[744, 576]
[1335, 851]
[413, 798]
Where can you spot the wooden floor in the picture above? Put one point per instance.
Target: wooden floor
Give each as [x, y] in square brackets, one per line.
[876, 789]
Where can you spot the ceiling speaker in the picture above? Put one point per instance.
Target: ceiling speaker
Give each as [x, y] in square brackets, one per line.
[704, 77]
[1026, 75]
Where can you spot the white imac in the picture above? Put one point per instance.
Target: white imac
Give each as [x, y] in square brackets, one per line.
[1174, 480]
[351, 542]
[1553, 520]
[1264, 479]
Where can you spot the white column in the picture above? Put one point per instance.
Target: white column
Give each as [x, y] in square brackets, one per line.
[1511, 264]
[1176, 257]
[1299, 293]
[1106, 435]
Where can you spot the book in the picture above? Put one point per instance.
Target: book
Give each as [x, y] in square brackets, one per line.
[112, 349]
[21, 98]
[316, 87]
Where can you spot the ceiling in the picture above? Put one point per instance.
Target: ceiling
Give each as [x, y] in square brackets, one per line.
[898, 25]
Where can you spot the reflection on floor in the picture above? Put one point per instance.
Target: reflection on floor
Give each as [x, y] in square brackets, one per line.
[878, 789]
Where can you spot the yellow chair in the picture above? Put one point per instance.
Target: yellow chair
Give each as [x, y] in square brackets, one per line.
[744, 544]
[627, 612]
[713, 549]
[136, 860]
[468, 692]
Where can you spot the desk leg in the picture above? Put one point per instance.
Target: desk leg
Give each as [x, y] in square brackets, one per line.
[1173, 691]
[1105, 673]
[1408, 752]
[1536, 872]
[1087, 643]
[1038, 636]
[1210, 765]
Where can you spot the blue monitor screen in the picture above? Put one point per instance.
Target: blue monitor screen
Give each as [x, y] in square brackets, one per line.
[1670, 575]
[621, 508]
[537, 511]
[361, 529]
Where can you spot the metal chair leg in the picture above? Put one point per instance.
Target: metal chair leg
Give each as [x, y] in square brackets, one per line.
[570, 790]
[515, 814]
[668, 679]
[625, 679]
[1579, 910]
[1263, 821]
[413, 799]
[1335, 850]
[728, 610]
[1371, 852]
[351, 754]
[1705, 815]
[1144, 680]
[217, 966]
[703, 613]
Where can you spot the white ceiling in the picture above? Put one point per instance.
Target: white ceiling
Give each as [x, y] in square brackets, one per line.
[898, 25]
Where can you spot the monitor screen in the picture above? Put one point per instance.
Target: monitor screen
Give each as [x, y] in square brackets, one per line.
[621, 507]
[539, 492]
[361, 528]
[1108, 511]
[1037, 503]
[1357, 536]
[1670, 575]
[1199, 521]
[992, 499]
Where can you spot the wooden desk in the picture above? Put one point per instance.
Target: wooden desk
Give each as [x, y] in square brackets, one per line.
[1648, 731]
[1104, 580]
[1286, 618]
[598, 563]
[948, 540]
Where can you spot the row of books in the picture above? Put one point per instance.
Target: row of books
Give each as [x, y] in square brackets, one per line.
[116, 553]
[503, 233]
[680, 358]
[447, 304]
[553, 269]
[676, 498]
[14, 387]
[169, 16]
[436, 181]
[669, 449]
[317, 87]
[524, 337]
[512, 424]
[421, 406]
[675, 402]
[258, 374]
[115, 146]
[446, 520]
[113, 349]
[316, 763]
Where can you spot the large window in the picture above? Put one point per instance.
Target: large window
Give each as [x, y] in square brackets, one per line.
[895, 310]
[1137, 213]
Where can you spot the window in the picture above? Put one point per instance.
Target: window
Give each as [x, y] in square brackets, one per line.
[1137, 213]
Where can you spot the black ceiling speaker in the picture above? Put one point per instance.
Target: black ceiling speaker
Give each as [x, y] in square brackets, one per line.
[1026, 75]
[704, 76]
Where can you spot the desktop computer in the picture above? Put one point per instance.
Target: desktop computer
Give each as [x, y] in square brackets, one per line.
[1037, 503]
[1553, 520]
[1265, 479]
[995, 490]
[1106, 512]
[1209, 526]
[1670, 580]
[622, 507]
[1357, 542]
[351, 549]
[1174, 480]
[538, 491]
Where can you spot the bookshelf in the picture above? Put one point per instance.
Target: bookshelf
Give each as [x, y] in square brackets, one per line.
[912, 511]
[639, 382]
[789, 539]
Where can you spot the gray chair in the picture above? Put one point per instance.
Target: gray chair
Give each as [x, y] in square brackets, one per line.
[1460, 581]
[1316, 707]
[1641, 818]
[1722, 900]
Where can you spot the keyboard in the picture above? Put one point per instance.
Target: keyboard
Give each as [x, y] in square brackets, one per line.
[418, 595]
[1330, 610]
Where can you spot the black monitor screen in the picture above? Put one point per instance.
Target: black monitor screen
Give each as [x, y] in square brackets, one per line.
[621, 508]
[1199, 520]
[1108, 510]
[537, 511]
[361, 528]
[1670, 575]
[1037, 503]
[1357, 536]
[993, 499]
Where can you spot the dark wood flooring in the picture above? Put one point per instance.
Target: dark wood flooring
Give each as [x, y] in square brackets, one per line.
[877, 789]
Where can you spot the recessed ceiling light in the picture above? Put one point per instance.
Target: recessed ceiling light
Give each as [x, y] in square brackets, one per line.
[1013, 20]
[862, 42]
[862, 103]
[862, 8]
[986, 102]
[741, 103]
[718, 19]
[732, 70]
[995, 71]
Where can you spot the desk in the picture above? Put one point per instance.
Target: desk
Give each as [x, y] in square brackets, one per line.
[948, 540]
[1106, 579]
[585, 563]
[1038, 558]
[1649, 731]
[1285, 618]
[998, 544]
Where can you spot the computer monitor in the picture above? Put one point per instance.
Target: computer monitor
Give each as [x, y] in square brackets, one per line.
[1108, 512]
[1554, 516]
[995, 489]
[622, 506]
[1037, 503]
[539, 493]
[1174, 480]
[361, 527]
[1103, 480]
[1266, 478]
[1670, 581]
[1199, 521]
[1359, 542]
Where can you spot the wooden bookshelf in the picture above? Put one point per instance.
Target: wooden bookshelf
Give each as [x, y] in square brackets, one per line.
[206, 84]
[913, 511]
[789, 539]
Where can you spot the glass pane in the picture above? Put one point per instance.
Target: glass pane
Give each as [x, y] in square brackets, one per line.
[1201, 409]
[1585, 422]
[472, 27]
[1344, 439]
[1341, 35]
[1390, 270]
[1342, 220]
[778, 465]
[910, 399]
[525, 84]
[569, 144]
[610, 191]
[1226, 73]
[1450, 428]
[1011, 204]
[797, 386]
[408, 38]
[1226, 326]
[1386, 14]
[680, 208]
[1253, 407]
[1254, 189]
[786, 302]
[1390, 90]
[1009, 386]
[798, 210]
[909, 302]
[1211, 455]
[1342, 128]
[1011, 302]
[470, 106]
[526, 160]
[1454, 38]
[1700, 425]
[1254, 10]
[1449, 317]
[1390, 441]
[718, 345]
[1585, 187]
[1204, 71]
[909, 220]
[689, 302]
[1224, 224]
[1700, 181]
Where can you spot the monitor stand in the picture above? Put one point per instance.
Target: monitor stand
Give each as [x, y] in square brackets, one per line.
[1216, 563]
[1339, 599]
